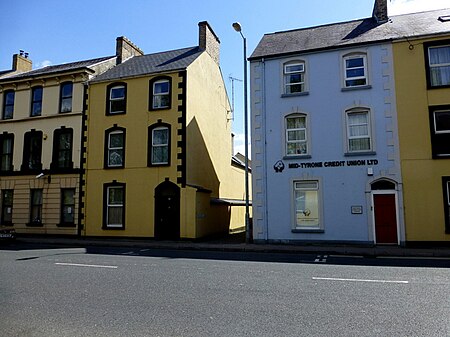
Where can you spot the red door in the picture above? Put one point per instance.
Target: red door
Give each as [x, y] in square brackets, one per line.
[385, 218]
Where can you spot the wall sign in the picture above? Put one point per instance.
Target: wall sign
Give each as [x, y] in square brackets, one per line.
[357, 210]
[335, 163]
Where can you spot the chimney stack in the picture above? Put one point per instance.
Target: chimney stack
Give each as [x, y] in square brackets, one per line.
[21, 63]
[126, 49]
[380, 12]
[208, 40]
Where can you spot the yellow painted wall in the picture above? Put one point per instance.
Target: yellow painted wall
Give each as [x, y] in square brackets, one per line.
[140, 180]
[422, 184]
[210, 143]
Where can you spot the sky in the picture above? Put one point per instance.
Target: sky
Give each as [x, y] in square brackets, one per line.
[55, 31]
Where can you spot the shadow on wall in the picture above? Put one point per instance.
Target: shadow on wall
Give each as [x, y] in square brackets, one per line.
[200, 170]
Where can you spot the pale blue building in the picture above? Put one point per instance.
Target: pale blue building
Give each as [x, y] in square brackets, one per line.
[325, 152]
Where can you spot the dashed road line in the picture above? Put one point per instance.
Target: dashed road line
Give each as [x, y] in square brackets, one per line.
[358, 280]
[85, 265]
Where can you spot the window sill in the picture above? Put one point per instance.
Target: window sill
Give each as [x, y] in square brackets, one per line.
[356, 154]
[300, 156]
[113, 228]
[308, 230]
[66, 225]
[362, 87]
[304, 93]
[35, 224]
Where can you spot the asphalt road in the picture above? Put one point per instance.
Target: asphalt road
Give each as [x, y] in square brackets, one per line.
[108, 291]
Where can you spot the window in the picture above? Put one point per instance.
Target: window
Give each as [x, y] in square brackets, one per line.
[115, 148]
[446, 190]
[8, 104]
[358, 131]
[67, 207]
[296, 135]
[7, 145]
[440, 131]
[32, 151]
[114, 206]
[438, 64]
[36, 207]
[160, 93]
[117, 99]
[7, 206]
[294, 77]
[159, 145]
[355, 67]
[306, 200]
[36, 101]
[62, 149]
[65, 100]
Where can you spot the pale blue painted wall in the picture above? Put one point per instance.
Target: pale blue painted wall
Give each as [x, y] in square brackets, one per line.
[341, 187]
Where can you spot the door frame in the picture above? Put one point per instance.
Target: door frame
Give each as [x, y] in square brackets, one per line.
[397, 216]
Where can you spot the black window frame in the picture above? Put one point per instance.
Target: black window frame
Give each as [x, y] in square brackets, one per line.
[63, 98]
[108, 98]
[108, 132]
[36, 102]
[57, 134]
[106, 187]
[446, 198]
[62, 222]
[3, 137]
[6, 104]
[28, 151]
[7, 205]
[36, 222]
[439, 140]
[151, 91]
[426, 47]
[151, 128]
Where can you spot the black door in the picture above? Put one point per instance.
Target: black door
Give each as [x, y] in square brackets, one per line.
[167, 211]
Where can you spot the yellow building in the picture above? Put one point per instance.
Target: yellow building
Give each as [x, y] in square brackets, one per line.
[422, 76]
[40, 143]
[159, 161]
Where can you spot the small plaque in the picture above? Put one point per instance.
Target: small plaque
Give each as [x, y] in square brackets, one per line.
[357, 210]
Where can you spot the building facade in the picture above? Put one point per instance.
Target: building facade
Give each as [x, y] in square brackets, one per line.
[159, 147]
[40, 134]
[325, 150]
[422, 76]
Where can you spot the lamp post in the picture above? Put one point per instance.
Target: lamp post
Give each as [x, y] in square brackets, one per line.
[237, 27]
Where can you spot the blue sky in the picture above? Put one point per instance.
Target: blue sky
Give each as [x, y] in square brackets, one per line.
[55, 31]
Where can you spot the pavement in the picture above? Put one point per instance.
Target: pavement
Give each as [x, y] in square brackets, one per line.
[236, 243]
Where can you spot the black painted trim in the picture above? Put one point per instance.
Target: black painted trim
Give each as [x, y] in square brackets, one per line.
[105, 204]
[182, 129]
[105, 151]
[426, 46]
[150, 98]
[150, 143]
[108, 101]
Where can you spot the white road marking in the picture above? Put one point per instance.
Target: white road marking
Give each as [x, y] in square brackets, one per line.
[321, 259]
[85, 265]
[357, 280]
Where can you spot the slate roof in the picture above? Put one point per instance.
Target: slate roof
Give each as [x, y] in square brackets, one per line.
[79, 65]
[349, 33]
[152, 63]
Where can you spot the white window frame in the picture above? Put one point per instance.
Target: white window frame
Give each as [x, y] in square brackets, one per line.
[153, 162]
[316, 223]
[435, 124]
[437, 65]
[351, 56]
[304, 141]
[369, 130]
[155, 95]
[111, 99]
[286, 74]
[110, 148]
[108, 206]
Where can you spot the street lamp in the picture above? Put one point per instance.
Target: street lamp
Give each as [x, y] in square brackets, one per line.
[237, 27]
